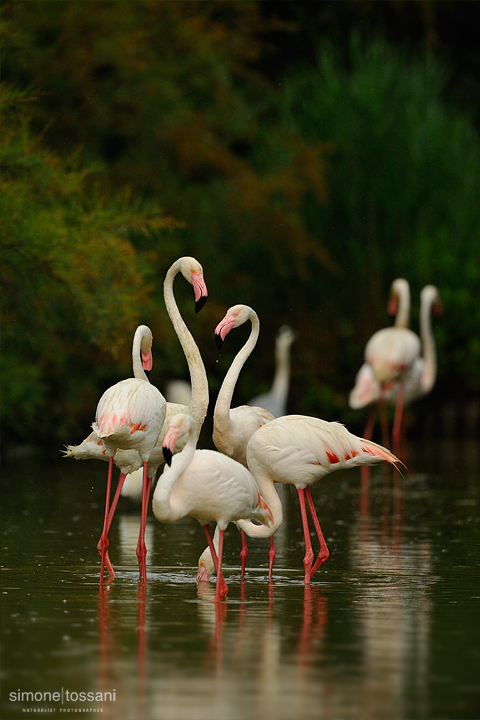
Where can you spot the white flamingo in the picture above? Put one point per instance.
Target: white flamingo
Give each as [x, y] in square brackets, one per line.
[300, 450]
[130, 416]
[233, 427]
[129, 461]
[275, 401]
[205, 485]
[420, 378]
[389, 356]
[197, 406]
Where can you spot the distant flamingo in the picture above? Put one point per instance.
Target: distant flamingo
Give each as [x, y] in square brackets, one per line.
[129, 416]
[300, 450]
[389, 354]
[275, 401]
[197, 406]
[418, 381]
[207, 486]
[233, 427]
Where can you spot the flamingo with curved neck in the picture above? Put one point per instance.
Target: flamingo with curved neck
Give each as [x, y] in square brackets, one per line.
[233, 427]
[129, 417]
[192, 271]
[300, 450]
[206, 485]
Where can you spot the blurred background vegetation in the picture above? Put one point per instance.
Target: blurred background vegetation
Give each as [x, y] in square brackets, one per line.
[305, 153]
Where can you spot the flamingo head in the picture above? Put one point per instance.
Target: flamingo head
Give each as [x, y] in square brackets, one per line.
[146, 348]
[177, 426]
[431, 296]
[193, 272]
[400, 288]
[236, 315]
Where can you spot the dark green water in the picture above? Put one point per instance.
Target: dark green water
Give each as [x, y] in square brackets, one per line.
[389, 628]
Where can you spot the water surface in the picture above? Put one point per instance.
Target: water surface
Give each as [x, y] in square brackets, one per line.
[388, 629]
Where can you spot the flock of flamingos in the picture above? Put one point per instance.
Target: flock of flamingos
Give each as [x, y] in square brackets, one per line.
[136, 429]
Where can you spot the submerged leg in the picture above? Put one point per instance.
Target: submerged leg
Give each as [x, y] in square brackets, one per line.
[141, 547]
[215, 558]
[221, 589]
[308, 559]
[102, 545]
[243, 551]
[324, 551]
[271, 557]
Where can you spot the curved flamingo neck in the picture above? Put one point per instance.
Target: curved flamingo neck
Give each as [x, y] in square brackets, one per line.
[270, 495]
[138, 371]
[198, 405]
[221, 415]
[428, 343]
[402, 318]
[161, 503]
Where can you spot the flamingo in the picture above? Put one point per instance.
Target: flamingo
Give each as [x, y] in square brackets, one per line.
[197, 406]
[421, 377]
[206, 485]
[130, 416]
[128, 460]
[275, 401]
[300, 450]
[389, 356]
[233, 427]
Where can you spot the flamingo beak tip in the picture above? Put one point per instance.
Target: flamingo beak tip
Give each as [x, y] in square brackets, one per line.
[167, 454]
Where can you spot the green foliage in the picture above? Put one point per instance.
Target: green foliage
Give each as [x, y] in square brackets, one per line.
[304, 199]
[404, 182]
[70, 279]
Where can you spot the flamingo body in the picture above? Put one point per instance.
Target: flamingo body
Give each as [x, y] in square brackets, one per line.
[391, 352]
[130, 416]
[300, 450]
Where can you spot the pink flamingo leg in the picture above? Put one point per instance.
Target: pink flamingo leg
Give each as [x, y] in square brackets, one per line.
[206, 529]
[208, 535]
[221, 587]
[271, 558]
[243, 552]
[397, 421]
[102, 545]
[324, 551]
[141, 547]
[115, 500]
[308, 559]
[111, 513]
